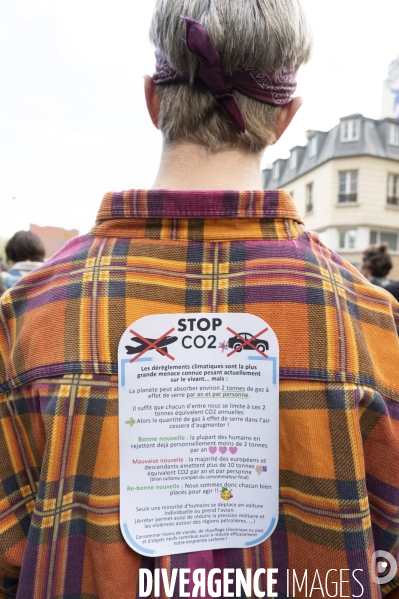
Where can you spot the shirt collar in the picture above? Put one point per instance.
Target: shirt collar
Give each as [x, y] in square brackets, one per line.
[199, 216]
[159, 203]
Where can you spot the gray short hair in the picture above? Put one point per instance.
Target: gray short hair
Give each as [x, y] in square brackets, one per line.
[268, 34]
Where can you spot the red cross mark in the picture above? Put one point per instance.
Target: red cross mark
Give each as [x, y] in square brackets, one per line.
[151, 345]
[246, 342]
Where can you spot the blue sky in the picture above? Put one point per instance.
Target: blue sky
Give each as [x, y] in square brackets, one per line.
[73, 122]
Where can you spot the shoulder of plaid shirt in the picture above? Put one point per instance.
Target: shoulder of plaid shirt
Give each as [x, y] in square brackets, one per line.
[170, 252]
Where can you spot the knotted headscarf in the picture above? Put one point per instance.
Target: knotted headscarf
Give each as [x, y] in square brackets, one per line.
[276, 88]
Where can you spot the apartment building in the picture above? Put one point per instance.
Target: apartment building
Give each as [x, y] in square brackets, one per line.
[345, 184]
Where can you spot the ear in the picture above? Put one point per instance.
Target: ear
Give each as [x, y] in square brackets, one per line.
[151, 97]
[286, 115]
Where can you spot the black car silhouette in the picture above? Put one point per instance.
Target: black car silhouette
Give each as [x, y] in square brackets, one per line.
[143, 345]
[235, 342]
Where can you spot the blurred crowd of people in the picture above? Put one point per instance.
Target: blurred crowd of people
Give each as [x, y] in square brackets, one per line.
[25, 251]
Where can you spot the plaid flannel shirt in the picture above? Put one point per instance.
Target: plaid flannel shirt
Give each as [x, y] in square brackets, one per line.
[162, 252]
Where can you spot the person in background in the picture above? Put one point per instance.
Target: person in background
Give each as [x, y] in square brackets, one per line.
[376, 266]
[25, 251]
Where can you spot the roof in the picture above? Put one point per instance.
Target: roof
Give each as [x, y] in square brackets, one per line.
[373, 140]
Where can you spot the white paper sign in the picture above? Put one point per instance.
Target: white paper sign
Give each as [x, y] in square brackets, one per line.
[199, 432]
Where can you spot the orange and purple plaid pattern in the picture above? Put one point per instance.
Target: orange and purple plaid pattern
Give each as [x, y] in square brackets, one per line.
[164, 252]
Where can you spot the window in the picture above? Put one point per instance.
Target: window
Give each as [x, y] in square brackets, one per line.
[293, 161]
[347, 239]
[323, 236]
[377, 237]
[312, 148]
[350, 130]
[393, 190]
[391, 239]
[309, 198]
[347, 187]
[394, 134]
[276, 170]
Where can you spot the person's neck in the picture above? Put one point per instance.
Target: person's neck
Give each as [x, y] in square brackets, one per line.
[188, 166]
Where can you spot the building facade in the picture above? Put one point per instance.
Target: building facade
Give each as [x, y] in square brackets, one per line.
[345, 184]
[53, 238]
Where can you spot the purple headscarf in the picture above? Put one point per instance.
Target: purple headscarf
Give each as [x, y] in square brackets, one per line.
[276, 89]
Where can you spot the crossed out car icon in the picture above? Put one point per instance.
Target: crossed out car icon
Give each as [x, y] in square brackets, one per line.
[236, 342]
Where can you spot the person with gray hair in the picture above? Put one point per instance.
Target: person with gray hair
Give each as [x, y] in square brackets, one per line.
[206, 244]
[260, 39]
[261, 43]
